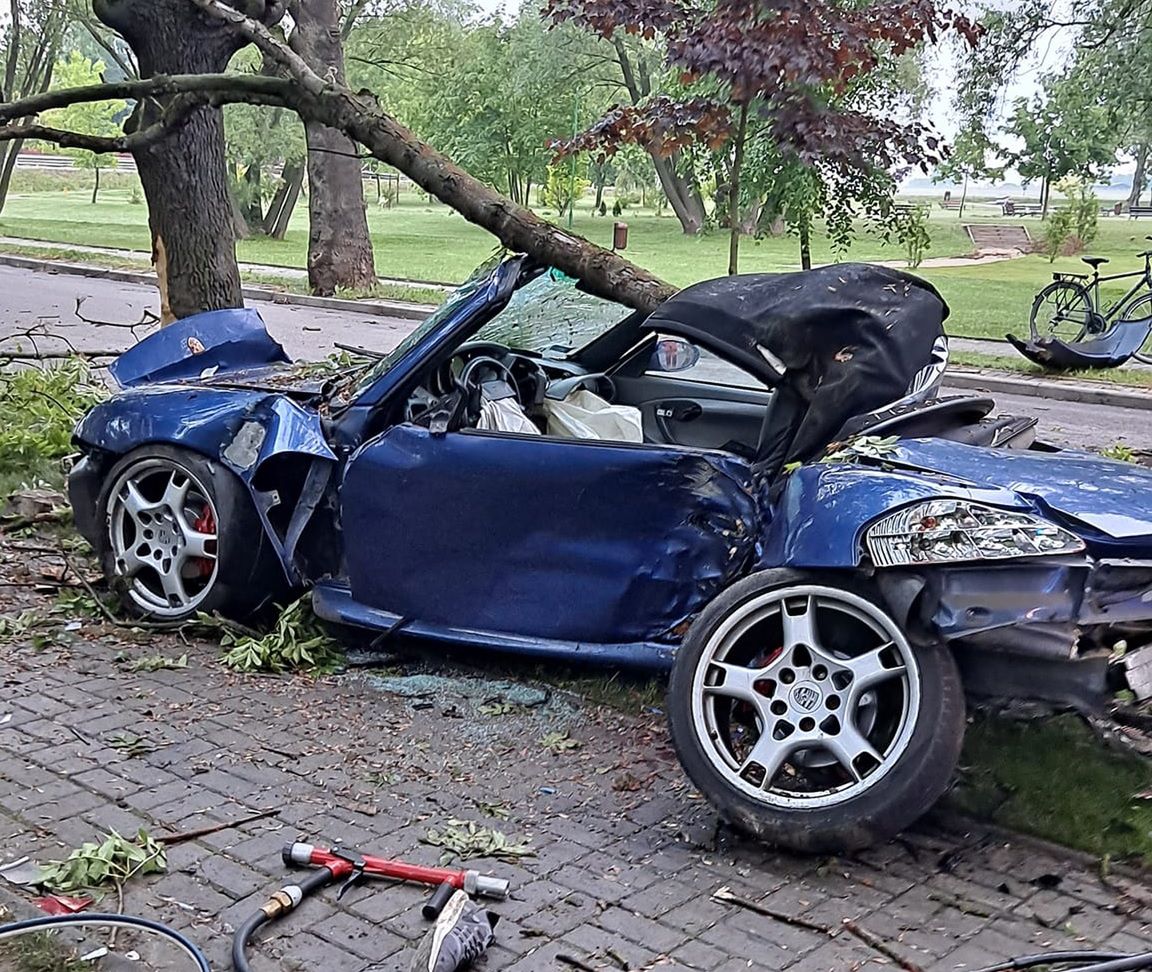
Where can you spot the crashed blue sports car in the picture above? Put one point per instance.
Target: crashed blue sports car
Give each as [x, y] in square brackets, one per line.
[756, 485]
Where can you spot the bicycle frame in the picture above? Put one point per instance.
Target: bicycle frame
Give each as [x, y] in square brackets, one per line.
[1092, 285]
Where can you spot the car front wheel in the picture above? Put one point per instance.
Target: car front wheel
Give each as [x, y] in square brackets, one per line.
[180, 536]
[803, 713]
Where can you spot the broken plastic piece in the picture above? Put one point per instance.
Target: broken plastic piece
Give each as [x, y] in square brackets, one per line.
[62, 904]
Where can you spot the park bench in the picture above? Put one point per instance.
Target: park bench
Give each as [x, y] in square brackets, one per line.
[1135, 212]
[1011, 208]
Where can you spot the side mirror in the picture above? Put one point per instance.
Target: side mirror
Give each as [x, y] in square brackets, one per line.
[674, 354]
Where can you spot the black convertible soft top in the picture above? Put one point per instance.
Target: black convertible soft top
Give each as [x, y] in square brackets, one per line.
[837, 342]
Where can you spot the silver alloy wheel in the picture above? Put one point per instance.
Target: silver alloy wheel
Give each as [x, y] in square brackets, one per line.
[162, 528]
[792, 722]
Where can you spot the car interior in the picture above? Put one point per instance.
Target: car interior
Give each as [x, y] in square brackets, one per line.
[661, 391]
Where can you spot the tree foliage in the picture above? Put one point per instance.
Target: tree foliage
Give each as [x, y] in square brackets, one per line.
[95, 118]
[799, 79]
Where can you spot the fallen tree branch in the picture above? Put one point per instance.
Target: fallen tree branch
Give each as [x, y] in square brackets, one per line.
[56, 355]
[185, 835]
[147, 319]
[870, 939]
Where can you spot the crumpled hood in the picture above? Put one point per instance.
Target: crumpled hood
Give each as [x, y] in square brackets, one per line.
[1112, 498]
[295, 380]
[199, 347]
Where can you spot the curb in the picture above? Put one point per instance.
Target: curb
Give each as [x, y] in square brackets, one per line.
[969, 379]
[378, 308]
[1058, 390]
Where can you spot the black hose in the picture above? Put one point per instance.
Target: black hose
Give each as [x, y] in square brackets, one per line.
[1052, 958]
[320, 878]
[240, 940]
[104, 921]
[1127, 963]
[1083, 961]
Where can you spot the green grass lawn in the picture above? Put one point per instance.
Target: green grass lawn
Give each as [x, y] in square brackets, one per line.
[419, 240]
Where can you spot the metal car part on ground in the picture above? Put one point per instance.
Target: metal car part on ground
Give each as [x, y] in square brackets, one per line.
[824, 551]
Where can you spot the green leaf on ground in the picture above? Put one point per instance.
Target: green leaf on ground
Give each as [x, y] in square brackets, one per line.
[465, 839]
[111, 862]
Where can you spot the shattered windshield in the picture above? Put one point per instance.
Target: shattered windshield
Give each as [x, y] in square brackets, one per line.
[551, 313]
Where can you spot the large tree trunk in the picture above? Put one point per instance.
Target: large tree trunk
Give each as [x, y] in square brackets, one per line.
[683, 196]
[184, 177]
[339, 248]
[1139, 177]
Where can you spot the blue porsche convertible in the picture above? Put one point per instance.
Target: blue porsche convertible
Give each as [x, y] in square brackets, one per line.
[757, 486]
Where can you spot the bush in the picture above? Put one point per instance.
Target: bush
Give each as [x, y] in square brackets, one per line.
[39, 407]
[1072, 227]
[913, 232]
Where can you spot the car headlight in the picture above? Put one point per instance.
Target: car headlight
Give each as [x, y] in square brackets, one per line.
[943, 531]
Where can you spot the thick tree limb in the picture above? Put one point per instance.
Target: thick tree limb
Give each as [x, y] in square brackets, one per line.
[518, 228]
[222, 88]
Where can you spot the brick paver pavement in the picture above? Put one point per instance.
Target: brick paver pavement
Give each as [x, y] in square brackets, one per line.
[627, 856]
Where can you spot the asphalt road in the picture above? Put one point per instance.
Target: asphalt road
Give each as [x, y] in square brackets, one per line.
[45, 303]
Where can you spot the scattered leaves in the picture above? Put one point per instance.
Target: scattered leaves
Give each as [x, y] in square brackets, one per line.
[131, 745]
[863, 447]
[13, 626]
[156, 663]
[296, 642]
[465, 839]
[113, 861]
[1119, 451]
[559, 741]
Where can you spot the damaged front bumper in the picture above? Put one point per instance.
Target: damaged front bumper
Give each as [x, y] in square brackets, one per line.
[1042, 629]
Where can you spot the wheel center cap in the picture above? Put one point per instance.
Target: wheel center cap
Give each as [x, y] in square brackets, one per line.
[806, 696]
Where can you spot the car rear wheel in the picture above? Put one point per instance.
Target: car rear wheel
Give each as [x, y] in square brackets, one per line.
[180, 536]
[803, 713]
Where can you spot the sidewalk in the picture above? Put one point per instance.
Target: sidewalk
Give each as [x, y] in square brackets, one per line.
[626, 856]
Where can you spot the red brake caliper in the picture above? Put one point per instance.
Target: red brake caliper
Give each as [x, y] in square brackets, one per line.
[205, 523]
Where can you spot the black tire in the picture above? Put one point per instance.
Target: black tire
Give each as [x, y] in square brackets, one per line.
[912, 783]
[1139, 309]
[247, 577]
[1062, 310]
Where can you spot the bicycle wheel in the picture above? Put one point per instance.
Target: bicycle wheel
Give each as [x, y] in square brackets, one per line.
[1061, 310]
[1140, 308]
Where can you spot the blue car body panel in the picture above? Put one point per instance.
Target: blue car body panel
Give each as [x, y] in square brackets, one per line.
[202, 344]
[563, 539]
[824, 508]
[1112, 499]
[334, 602]
[207, 421]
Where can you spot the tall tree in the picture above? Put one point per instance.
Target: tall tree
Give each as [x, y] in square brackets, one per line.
[29, 45]
[339, 247]
[1062, 131]
[98, 118]
[185, 178]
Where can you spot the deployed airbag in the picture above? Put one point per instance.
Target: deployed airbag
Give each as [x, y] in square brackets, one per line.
[585, 415]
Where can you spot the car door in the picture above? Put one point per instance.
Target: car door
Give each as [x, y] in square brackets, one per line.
[711, 405]
[561, 539]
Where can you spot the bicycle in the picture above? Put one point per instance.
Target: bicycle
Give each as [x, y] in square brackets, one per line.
[1070, 310]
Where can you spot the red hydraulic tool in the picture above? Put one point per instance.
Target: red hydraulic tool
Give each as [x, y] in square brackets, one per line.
[471, 882]
[336, 865]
